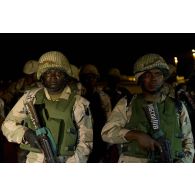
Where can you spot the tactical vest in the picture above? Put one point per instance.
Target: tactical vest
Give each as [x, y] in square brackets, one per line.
[168, 124]
[57, 117]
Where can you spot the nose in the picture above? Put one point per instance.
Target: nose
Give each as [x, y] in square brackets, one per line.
[53, 77]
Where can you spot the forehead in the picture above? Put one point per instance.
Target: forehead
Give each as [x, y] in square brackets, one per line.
[54, 70]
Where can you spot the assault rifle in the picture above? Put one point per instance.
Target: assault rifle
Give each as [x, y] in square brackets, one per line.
[41, 133]
[153, 116]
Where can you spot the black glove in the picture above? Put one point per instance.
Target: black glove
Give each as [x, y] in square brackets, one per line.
[31, 138]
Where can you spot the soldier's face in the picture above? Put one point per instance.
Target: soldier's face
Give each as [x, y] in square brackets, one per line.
[88, 80]
[54, 80]
[152, 80]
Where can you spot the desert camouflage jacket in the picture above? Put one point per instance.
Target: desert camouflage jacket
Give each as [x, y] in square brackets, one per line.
[114, 131]
[14, 130]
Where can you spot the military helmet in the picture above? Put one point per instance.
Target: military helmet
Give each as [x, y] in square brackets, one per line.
[30, 67]
[172, 69]
[74, 71]
[53, 59]
[114, 72]
[89, 69]
[148, 62]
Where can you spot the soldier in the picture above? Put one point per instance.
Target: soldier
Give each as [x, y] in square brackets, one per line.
[115, 92]
[185, 92]
[113, 89]
[170, 84]
[60, 109]
[29, 80]
[16, 89]
[129, 126]
[100, 106]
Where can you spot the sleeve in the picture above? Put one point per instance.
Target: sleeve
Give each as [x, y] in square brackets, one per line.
[114, 130]
[188, 141]
[83, 119]
[12, 127]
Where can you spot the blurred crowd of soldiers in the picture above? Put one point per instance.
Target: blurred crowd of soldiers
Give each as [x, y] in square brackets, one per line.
[105, 96]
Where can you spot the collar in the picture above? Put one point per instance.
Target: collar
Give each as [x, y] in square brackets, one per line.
[64, 94]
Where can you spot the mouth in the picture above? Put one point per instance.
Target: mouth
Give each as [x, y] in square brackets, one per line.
[53, 83]
[154, 85]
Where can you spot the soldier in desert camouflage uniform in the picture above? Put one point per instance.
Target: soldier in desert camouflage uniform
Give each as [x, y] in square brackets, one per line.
[61, 110]
[100, 107]
[128, 124]
[17, 88]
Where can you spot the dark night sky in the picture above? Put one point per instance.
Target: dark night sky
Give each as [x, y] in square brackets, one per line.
[104, 50]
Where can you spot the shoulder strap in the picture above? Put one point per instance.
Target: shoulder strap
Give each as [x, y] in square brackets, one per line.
[30, 94]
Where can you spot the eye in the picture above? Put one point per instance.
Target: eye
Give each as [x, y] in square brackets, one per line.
[147, 75]
[158, 74]
[48, 74]
[58, 74]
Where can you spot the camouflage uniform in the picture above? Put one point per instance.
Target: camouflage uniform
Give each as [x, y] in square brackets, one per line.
[17, 88]
[100, 106]
[14, 129]
[104, 98]
[114, 130]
